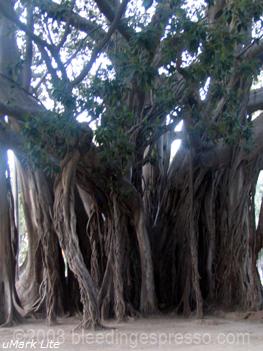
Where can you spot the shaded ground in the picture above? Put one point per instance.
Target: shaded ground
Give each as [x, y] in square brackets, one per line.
[157, 333]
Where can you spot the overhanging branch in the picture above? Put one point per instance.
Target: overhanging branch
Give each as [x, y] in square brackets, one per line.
[17, 102]
[254, 50]
[220, 155]
[255, 100]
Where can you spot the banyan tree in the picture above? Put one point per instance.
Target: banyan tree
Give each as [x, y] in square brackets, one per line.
[117, 225]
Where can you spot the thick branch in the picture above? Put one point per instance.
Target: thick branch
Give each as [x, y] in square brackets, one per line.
[254, 50]
[17, 102]
[220, 156]
[27, 73]
[255, 100]
[257, 138]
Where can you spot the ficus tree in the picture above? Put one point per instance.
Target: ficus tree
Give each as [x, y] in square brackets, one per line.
[139, 230]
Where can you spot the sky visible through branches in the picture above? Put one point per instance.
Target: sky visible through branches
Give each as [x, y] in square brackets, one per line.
[102, 61]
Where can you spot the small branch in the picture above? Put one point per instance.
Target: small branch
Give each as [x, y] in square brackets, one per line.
[49, 35]
[67, 29]
[54, 11]
[27, 74]
[48, 62]
[23, 27]
[80, 46]
[102, 44]
[163, 12]
[42, 79]
[106, 9]
[42, 44]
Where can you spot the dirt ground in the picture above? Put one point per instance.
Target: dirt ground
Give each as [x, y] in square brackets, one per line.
[156, 333]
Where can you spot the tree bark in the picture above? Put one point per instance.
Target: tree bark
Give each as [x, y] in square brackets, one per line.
[9, 304]
[65, 225]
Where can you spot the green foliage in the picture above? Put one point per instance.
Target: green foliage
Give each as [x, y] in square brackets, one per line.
[61, 92]
[111, 136]
[48, 136]
[122, 91]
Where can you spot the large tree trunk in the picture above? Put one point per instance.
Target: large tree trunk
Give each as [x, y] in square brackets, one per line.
[237, 281]
[225, 247]
[31, 275]
[65, 225]
[148, 298]
[117, 221]
[42, 280]
[51, 250]
[9, 303]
